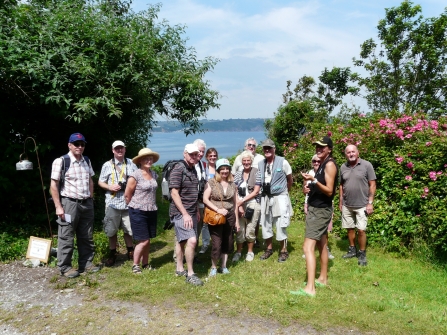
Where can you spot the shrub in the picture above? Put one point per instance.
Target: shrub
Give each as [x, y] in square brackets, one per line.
[410, 159]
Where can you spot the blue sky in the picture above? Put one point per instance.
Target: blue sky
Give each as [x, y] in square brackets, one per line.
[261, 44]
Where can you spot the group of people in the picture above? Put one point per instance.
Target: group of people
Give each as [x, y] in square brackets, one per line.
[252, 192]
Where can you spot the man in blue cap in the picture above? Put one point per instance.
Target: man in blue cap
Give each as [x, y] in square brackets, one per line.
[72, 192]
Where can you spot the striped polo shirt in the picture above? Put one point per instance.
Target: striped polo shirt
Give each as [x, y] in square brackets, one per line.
[188, 188]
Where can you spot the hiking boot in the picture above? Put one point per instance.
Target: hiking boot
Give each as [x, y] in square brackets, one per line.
[237, 257]
[194, 280]
[352, 252]
[283, 255]
[362, 258]
[90, 269]
[72, 273]
[267, 254]
[110, 261]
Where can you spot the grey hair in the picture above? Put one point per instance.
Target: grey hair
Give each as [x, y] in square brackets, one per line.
[199, 143]
[314, 157]
[250, 139]
[247, 154]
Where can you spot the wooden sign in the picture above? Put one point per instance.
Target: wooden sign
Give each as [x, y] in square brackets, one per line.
[38, 248]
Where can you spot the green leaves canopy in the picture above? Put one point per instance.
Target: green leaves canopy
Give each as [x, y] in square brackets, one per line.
[93, 67]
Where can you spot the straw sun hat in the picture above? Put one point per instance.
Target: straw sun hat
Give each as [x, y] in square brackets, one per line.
[146, 152]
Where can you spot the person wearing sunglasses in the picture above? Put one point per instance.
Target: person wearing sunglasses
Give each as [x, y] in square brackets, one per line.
[321, 192]
[73, 199]
[276, 209]
[315, 165]
[250, 145]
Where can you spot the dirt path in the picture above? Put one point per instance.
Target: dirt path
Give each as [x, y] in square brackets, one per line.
[30, 304]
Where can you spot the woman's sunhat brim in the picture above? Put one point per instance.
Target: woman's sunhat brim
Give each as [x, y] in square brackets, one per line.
[146, 152]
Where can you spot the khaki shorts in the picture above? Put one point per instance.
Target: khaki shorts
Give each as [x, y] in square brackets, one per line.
[354, 217]
[116, 219]
[317, 222]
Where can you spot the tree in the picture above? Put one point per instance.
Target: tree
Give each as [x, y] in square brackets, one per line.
[94, 67]
[408, 68]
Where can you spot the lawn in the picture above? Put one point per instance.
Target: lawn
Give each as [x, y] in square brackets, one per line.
[392, 295]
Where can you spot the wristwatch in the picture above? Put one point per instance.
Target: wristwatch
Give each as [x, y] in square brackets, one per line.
[370, 202]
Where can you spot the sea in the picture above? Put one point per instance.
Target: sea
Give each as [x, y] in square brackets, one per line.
[227, 143]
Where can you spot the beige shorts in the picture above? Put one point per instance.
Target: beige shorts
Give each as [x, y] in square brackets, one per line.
[116, 219]
[354, 217]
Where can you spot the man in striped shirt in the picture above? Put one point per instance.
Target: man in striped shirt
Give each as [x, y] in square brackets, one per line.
[74, 209]
[113, 179]
[184, 211]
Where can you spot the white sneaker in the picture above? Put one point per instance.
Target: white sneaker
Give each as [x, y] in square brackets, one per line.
[250, 256]
[330, 256]
[203, 249]
[237, 257]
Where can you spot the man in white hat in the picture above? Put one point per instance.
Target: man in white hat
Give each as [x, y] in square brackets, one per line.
[113, 179]
[184, 211]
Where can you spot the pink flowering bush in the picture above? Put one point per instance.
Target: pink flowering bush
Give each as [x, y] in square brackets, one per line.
[409, 154]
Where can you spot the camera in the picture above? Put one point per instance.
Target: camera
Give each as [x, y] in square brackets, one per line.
[242, 191]
[123, 185]
[266, 189]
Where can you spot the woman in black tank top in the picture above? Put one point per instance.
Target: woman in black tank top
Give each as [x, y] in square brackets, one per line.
[321, 191]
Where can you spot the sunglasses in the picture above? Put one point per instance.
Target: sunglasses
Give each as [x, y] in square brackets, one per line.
[79, 144]
[251, 145]
[314, 161]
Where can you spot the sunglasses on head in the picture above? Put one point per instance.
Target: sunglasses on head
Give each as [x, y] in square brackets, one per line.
[315, 161]
[78, 144]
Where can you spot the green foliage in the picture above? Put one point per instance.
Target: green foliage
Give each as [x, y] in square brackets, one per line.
[410, 205]
[407, 68]
[90, 66]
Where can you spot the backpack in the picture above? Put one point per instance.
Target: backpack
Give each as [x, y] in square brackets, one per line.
[65, 166]
[166, 174]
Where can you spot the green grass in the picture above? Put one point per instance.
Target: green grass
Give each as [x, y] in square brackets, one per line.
[392, 295]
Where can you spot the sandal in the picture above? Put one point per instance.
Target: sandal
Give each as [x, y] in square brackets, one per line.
[110, 261]
[136, 269]
[267, 254]
[147, 267]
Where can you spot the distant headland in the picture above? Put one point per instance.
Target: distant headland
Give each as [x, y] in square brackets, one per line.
[214, 125]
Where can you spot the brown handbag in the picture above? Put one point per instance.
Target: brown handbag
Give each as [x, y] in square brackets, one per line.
[213, 218]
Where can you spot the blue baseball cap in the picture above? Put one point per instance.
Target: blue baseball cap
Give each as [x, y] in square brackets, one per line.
[76, 137]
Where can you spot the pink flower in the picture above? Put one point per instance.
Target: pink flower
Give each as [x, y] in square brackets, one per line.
[432, 175]
[439, 172]
[362, 115]
[406, 187]
[329, 133]
[408, 136]
[423, 196]
[408, 177]
[400, 134]
[426, 190]
[427, 144]
[399, 159]
[445, 165]
[294, 144]
[410, 165]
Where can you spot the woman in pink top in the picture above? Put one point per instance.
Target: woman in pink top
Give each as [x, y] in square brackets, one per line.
[140, 197]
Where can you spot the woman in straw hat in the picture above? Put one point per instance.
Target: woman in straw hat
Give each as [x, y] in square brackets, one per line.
[140, 197]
